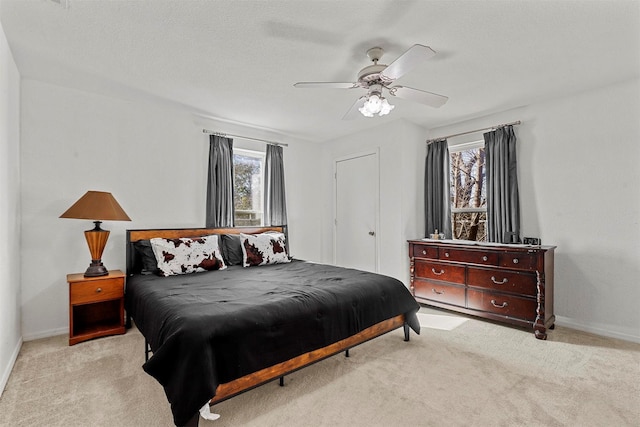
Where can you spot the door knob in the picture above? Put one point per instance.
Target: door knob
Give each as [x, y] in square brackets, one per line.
[372, 233]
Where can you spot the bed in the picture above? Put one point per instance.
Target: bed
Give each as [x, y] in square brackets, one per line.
[226, 328]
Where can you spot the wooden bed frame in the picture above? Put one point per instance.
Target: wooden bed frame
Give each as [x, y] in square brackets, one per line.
[233, 388]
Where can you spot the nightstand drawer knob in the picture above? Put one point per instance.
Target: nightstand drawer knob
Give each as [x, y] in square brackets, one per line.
[98, 290]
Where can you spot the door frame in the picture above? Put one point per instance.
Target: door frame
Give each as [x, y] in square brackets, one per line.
[375, 152]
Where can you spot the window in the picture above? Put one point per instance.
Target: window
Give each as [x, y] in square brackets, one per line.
[248, 187]
[468, 191]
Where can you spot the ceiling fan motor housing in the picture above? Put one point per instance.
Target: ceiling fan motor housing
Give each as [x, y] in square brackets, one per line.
[371, 74]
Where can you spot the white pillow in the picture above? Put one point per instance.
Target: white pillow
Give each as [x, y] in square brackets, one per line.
[187, 254]
[262, 249]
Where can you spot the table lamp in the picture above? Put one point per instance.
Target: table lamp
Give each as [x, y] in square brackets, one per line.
[96, 206]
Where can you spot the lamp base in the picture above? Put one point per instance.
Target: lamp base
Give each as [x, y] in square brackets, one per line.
[96, 269]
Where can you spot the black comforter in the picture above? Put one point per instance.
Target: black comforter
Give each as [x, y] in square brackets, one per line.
[210, 328]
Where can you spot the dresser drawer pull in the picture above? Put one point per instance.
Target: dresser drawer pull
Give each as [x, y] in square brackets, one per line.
[493, 279]
[515, 260]
[484, 258]
[437, 273]
[424, 252]
[437, 292]
[493, 303]
[98, 290]
[446, 254]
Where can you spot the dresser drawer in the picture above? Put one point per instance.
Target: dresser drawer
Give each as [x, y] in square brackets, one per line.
[424, 251]
[503, 280]
[519, 260]
[506, 305]
[439, 292]
[439, 271]
[469, 256]
[96, 290]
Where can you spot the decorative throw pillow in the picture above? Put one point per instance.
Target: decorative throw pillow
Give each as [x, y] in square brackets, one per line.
[231, 249]
[261, 249]
[187, 255]
[146, 256]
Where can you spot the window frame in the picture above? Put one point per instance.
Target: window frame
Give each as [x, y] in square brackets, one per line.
[456, 148]
[261, 155]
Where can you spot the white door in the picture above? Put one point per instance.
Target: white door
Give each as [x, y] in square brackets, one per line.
[357, 212]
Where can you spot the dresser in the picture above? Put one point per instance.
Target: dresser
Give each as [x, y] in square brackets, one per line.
[506, 283]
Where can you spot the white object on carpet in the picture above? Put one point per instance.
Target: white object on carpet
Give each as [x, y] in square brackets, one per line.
[205, 412]
[438, 321]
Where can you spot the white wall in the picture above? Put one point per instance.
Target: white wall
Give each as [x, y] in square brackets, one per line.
[579, 169]
[10, 333]
[399, 143]
[150, 156]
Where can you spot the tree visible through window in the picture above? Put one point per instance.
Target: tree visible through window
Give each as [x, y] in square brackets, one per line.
[468, 192]
[248, 187]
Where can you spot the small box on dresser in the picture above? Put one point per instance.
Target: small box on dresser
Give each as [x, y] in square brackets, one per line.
[505, 283]
[96, 306]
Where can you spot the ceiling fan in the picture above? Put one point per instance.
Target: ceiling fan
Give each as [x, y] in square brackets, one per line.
[378, 77]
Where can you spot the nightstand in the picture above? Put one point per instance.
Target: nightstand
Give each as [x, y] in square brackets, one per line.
[96, 306]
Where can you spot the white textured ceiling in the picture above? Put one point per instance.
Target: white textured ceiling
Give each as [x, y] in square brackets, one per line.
[238, 60]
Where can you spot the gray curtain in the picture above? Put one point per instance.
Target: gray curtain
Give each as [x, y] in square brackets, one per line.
[503, 202]
[220, 182]
[437, 201]
[275, 203]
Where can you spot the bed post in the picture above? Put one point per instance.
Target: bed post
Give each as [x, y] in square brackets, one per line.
[406, 331]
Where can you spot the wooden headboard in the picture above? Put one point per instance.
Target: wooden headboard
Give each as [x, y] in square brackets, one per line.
[174, 233]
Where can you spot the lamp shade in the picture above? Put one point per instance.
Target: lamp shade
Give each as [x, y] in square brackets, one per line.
[96, 206]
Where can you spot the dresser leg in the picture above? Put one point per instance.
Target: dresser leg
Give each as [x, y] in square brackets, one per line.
[540, 333]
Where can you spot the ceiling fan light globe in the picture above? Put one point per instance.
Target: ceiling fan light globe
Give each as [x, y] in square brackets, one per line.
[385, 107]
[365, 112]
[374, 104]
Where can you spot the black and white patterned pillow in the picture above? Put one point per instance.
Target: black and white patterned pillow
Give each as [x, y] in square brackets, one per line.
[262, 249]
[187, 255]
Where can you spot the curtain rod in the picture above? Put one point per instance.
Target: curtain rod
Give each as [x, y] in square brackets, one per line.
[224, 135]
[429, 141]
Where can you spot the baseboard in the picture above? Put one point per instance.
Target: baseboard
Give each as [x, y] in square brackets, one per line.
[595, 329]
[12, 361]
[46, 334]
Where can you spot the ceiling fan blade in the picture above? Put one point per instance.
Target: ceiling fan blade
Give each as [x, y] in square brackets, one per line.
[353, 111]
[326, 85]
[413, 57]
[421, 96]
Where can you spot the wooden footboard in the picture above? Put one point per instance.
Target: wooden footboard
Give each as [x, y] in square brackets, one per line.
[233, 388]
[228, 390]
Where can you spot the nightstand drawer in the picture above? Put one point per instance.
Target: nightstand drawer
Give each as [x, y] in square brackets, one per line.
[96, 290]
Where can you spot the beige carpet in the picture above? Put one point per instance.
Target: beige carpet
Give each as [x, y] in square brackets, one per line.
[471, 373]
